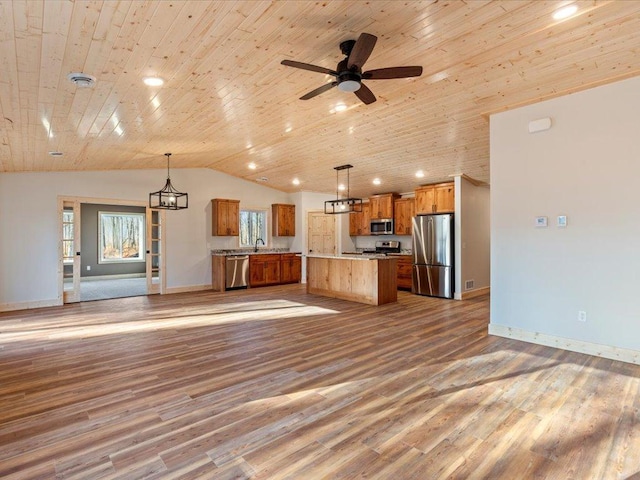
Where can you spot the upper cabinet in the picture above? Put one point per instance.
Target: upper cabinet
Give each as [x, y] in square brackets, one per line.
[226, 217]
[283, 220]
[382, 205]
[404, 211]
[360, 222]
[438, 198]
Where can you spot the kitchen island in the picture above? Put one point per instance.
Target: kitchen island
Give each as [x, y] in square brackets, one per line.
[364, 279]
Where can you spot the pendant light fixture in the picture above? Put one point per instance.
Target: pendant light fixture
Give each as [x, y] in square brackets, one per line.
[168, 198]
[342, 205]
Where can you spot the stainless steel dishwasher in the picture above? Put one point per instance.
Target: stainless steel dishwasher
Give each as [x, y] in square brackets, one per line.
[237, 271]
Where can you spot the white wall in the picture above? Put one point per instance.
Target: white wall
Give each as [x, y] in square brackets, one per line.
[310, 202]
[29, 223]
[473, 244]
[587, 167]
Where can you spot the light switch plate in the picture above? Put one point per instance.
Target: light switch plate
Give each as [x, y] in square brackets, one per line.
[562, 220]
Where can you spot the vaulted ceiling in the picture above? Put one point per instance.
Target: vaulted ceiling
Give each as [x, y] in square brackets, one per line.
[227, 101]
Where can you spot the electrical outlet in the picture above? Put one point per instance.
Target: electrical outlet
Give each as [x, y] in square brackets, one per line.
[88, 267]
[582, 316]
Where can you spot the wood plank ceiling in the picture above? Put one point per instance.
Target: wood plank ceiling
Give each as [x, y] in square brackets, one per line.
[227, 101]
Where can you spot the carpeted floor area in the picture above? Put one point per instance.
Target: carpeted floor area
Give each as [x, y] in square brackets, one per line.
[112, 288]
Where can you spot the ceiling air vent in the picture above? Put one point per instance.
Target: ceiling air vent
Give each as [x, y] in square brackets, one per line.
[82, 80]
[262, 179]
[56, 154]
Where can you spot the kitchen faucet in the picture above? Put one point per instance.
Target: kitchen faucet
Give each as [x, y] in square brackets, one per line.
[258, 240]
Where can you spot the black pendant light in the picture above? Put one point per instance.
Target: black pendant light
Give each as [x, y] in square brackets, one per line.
[342, 205]
[168, 198]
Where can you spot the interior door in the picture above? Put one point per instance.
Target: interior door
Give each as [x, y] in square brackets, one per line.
[155, 249]
[70, 250]
[322, 233]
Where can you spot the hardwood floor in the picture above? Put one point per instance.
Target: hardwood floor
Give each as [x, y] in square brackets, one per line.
[273, 383]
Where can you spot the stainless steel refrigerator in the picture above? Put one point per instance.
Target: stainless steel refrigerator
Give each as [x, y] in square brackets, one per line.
[433, 272]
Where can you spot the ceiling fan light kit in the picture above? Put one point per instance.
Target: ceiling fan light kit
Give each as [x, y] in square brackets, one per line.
[168, 198]
[349, 74]
[342, 205]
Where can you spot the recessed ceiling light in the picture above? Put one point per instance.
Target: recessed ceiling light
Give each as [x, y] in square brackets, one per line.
[376, 181]
[249, 146]
[295, 181]
[341, 187]
[565, 12]
[341, 107]
[252, 166]
[419, 174]
[153, 81]
[288, 129]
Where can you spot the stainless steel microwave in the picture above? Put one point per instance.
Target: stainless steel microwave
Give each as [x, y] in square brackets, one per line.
[381, 226]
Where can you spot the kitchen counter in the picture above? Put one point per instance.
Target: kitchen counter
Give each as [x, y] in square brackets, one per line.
[352, 256]
[261, 251]
[364, 279]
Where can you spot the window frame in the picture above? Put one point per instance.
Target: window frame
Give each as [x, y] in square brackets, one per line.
[68, 242]
[265, 229]
[141, 258]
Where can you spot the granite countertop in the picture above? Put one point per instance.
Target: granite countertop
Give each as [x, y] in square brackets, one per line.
[351, 256]
[250, 251]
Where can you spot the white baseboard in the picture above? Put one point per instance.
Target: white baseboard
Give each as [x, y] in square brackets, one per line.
[604, 351]
[475, 293]
[113, 277]
[189, 288]
[471, 293]
[10, 307]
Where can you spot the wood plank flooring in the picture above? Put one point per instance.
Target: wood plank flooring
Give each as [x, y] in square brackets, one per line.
[273, 383]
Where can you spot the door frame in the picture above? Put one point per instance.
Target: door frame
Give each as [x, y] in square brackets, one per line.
[62, 199]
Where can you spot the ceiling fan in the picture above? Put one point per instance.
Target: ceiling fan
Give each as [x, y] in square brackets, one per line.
[349, 74]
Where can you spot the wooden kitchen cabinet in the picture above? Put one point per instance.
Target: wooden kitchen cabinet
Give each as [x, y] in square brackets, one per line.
[438, 198]
[226, 217]
[264, 270]
[403, 212]
[290, 268]
[283, 217]
[403, 270]
[381, 206]
[360, 222]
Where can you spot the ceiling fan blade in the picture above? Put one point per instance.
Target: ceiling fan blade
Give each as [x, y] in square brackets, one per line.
[392, 72]
[364, 94]
[361, 50]
[319, 90]
[308, 66]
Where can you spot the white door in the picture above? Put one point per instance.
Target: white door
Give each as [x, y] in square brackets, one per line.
[69, 214]
[155, 248]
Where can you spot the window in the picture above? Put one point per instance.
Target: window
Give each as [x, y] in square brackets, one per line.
[121, 237]
[67, 235]
[253, 226]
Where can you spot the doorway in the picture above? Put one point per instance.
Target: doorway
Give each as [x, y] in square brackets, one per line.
[109, 249]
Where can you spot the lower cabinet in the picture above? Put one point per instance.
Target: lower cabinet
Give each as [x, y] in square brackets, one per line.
[290, 268]
[404, 272]
[264, 270]
[274, 269]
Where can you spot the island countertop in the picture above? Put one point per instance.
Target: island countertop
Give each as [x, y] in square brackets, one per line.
[364, 279]
[351, 256]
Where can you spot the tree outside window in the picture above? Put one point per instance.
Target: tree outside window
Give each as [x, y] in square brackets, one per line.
[122, 237]
[253, 225]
